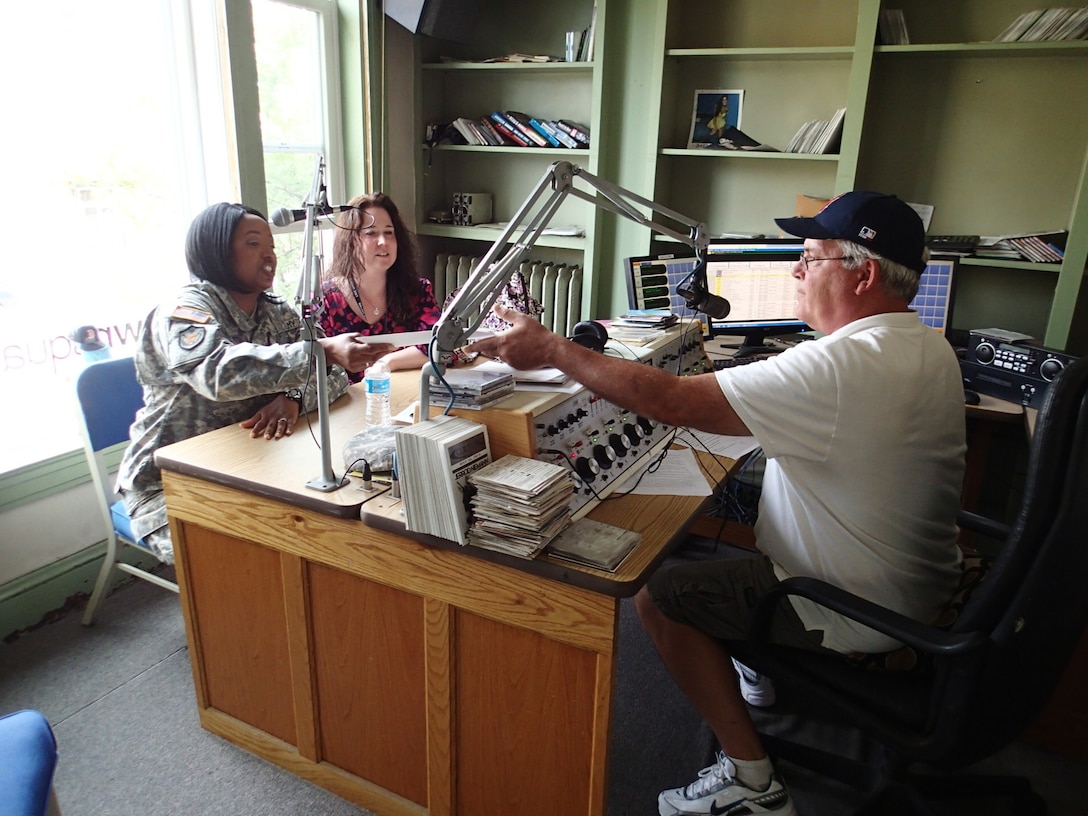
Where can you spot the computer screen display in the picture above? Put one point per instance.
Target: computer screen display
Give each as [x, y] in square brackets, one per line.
[936, 292]
[756, 277]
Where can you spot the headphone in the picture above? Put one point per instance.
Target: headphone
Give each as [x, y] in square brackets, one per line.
[590, 334]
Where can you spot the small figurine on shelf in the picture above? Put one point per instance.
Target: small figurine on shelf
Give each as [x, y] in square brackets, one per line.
[93, 349]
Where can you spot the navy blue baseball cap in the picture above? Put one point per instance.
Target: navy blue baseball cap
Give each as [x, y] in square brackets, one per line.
[877, 221]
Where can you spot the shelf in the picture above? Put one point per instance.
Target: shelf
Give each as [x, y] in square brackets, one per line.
[489, 236]
[528, 151]
[1062, 48]
[525, 67]
[832, 52]
[1002, 263]
[748, 154]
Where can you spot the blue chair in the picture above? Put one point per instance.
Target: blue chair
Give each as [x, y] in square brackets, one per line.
[109, 396]
[28, 758]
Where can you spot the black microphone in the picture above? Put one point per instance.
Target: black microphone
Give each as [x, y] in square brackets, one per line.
[694, 292]
[712, 306]
[284, 217]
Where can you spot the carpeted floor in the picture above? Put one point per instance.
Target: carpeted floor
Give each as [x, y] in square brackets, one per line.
[119, 696]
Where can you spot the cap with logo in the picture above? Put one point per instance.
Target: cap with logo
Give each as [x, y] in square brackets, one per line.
[877, 221]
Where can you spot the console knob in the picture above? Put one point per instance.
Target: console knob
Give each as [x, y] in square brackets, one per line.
[604, 455]
[1050, 368]
[586, 468]
[618, 444]
[985, 353]
[634, 433]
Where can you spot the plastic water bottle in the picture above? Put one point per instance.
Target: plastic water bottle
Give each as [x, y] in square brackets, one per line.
[376, 381]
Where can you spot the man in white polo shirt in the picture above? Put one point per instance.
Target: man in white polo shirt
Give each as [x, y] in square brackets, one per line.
[864, 435]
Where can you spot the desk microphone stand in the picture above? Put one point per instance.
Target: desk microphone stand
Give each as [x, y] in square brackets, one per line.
[309, 287]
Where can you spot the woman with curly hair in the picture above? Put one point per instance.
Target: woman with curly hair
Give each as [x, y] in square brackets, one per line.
[373, 285]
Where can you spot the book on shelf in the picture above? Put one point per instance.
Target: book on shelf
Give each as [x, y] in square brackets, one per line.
[508, 129]
[1037, 247]
[892, 27]
[580, 133]
[540, 128]
[435, 459]
[466, 131]
[493, 135]
[521, 122]
[560, 135]
[1049, 24]
[591, 33]
[819, 135]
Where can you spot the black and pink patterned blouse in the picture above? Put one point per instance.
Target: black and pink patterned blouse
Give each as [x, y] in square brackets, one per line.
[337, 316]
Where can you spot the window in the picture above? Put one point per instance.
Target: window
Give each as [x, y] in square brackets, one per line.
[123, 140]
[102, 181]
[297, 76]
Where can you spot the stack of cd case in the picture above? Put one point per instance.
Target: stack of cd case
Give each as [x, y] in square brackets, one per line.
[471, 388]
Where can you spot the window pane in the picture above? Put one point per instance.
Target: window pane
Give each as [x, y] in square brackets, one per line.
[98, 167]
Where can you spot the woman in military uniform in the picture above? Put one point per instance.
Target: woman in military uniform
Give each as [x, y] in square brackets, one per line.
[225, 350]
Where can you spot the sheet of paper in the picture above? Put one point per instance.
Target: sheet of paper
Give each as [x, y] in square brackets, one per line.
[732, 446]
[400, 339]
[678, 474]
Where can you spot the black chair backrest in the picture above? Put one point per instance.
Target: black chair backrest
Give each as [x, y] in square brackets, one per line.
[1034, 602]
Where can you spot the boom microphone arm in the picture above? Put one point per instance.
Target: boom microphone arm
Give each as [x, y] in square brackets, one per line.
[473, 302]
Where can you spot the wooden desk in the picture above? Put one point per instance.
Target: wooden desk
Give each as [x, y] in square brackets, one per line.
[407, 678]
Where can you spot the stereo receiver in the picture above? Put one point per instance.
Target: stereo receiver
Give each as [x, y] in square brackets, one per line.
[1010, 366]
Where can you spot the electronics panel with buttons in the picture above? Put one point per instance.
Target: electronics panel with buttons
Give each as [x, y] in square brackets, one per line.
[1011, 366]
[600, 442]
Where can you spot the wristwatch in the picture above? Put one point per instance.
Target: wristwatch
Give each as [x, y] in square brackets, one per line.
[296, 395]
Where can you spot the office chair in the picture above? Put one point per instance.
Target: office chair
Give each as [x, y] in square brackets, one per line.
[109, 396]
[989, 673]
[28, 759]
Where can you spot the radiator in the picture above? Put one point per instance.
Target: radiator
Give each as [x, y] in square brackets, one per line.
[557, 286]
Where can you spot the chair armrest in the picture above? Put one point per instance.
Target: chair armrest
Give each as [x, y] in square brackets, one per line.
[981, 524]
[923, 637]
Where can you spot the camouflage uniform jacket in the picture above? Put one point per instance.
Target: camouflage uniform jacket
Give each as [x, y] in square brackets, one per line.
[204, 364]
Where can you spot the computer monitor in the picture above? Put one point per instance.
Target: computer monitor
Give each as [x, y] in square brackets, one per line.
[936, 292]
[756, 277]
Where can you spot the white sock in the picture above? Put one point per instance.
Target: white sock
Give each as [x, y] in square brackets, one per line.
[754, 773]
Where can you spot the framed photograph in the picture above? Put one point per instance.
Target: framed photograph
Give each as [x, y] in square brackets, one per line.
[712, 113]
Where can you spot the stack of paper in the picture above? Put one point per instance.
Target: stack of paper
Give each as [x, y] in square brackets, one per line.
[519, 505]
[472, 388]
[435, 459]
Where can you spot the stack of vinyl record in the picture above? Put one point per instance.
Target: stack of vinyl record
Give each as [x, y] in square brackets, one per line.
[472, 388]
[520, 505]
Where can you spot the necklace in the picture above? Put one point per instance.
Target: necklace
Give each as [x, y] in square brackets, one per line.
[359, 300]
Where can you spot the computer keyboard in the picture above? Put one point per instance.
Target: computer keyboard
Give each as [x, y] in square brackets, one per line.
[729, 362]
[952, 243]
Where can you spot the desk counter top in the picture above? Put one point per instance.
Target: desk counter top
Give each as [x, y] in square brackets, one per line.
[280, 469]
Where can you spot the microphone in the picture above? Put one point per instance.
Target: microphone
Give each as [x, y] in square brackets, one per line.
[284, 216]
[712, 306]
[694, 292]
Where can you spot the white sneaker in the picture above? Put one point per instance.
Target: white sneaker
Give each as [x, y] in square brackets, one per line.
[718, 792]
[756, 689]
